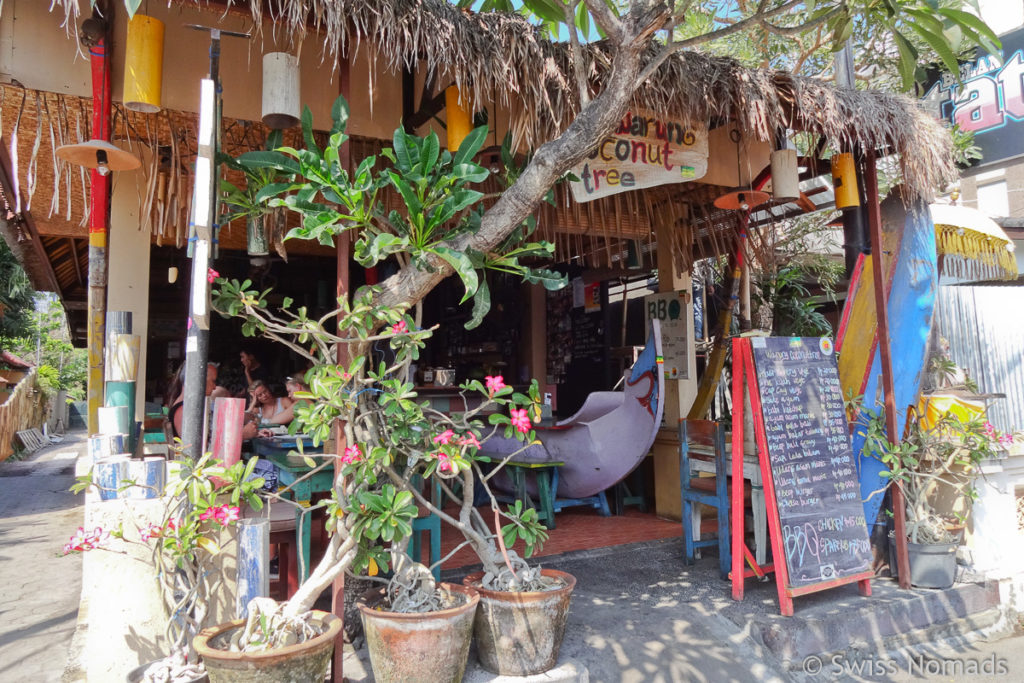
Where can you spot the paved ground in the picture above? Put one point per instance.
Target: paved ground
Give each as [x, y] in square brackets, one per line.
[39, 590]
[637, 613]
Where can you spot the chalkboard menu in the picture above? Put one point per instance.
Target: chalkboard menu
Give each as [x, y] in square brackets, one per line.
[587, 336]
[824, 533]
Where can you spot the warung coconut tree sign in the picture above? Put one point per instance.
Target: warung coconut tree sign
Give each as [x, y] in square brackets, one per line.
[644, 151]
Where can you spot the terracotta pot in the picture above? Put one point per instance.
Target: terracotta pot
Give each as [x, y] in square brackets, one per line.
[429, 647]
[302, 662]
[520, 634]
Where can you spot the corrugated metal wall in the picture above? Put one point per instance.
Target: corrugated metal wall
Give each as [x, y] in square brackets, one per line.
[985, 329]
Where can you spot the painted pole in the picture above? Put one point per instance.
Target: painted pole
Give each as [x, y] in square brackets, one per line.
[253, 578]
[204, 214]
[111, 420]
[99, 217]
[118, 395]
[228, 417]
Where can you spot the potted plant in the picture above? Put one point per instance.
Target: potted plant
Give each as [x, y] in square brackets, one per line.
[248, 200]
[390, 442]
[936, 466]
[192, 526]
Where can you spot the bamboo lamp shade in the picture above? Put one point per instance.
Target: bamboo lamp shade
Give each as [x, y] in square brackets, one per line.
[99, 154]
[280, 90]
[459, 118]
[143, 64]
[844, 179]
[785, 175]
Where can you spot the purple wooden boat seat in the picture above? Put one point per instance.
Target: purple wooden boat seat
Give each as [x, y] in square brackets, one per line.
[609, 436]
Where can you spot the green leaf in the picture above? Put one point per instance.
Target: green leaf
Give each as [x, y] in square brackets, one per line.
[463, 268]
[307, 130]
[429, 153]
[908, 59]
[471, 144]
[339, 114]
[548, 10]
[408, 194]
[938, 43]
[274, 160]
[471, 172]
[403, 159]
[481, 305]
[987, 37]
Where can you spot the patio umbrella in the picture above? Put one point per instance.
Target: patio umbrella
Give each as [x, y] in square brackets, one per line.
[971, 245]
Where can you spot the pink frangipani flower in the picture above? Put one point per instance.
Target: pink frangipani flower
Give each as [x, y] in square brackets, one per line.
[521, 420]
[151, 531]
[352, 455]
[400, 327]
[84, 541]
[209, 513]
[990, 430]
[469, 440]
[226, 514]
[494, 384]
[444, 463]
[211, 275]
[444, 437]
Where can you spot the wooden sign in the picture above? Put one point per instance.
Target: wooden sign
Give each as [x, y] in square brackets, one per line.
[815, 516]
[644, 151]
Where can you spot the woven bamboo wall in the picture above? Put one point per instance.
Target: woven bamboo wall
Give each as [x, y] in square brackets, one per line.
[23, 409]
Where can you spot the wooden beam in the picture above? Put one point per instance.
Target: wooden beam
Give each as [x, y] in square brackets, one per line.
[882, 313]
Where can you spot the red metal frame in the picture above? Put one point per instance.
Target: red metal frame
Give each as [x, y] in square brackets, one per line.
[743, 376]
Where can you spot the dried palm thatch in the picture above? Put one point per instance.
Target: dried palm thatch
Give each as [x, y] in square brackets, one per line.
[500, 58]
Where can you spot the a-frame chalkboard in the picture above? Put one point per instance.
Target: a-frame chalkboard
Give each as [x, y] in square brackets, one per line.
[815, 516]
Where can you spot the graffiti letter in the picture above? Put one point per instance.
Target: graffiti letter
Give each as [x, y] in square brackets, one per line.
[977, 108]
[1011, 77]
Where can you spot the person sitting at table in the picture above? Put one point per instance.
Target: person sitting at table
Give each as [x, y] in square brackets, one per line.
[176, 409]
[231, 383]
[292, 384]
[267, 406]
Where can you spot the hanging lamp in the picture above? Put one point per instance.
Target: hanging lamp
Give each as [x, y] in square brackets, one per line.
[844, 180]
[99, 154]
[143, 64]
[743, 198]
[785, 174]
[281, 100]
[459, 118]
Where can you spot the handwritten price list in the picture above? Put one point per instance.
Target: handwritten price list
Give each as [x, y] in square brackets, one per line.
[816, 486]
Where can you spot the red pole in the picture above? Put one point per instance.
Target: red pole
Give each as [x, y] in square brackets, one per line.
[882, 313]
[343, 246]
[99, 217]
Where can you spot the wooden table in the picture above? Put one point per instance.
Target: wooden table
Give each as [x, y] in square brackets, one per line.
[546, 474]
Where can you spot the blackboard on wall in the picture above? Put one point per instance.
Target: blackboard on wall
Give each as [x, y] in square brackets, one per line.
[824, 533]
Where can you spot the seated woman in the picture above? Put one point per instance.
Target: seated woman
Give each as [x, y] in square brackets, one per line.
[176, 407]
[269, 408]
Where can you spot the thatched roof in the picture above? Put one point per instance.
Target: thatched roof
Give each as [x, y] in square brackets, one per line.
[499, 57]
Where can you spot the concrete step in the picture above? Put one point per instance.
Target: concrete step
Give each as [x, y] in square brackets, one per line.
[890, 620]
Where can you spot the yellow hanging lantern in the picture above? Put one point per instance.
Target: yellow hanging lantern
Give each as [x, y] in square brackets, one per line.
[460, 120]
[844, 179]
[143, 64]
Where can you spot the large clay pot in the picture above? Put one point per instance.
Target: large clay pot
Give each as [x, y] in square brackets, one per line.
[299, 663]
[520, 634]
[430, 647]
